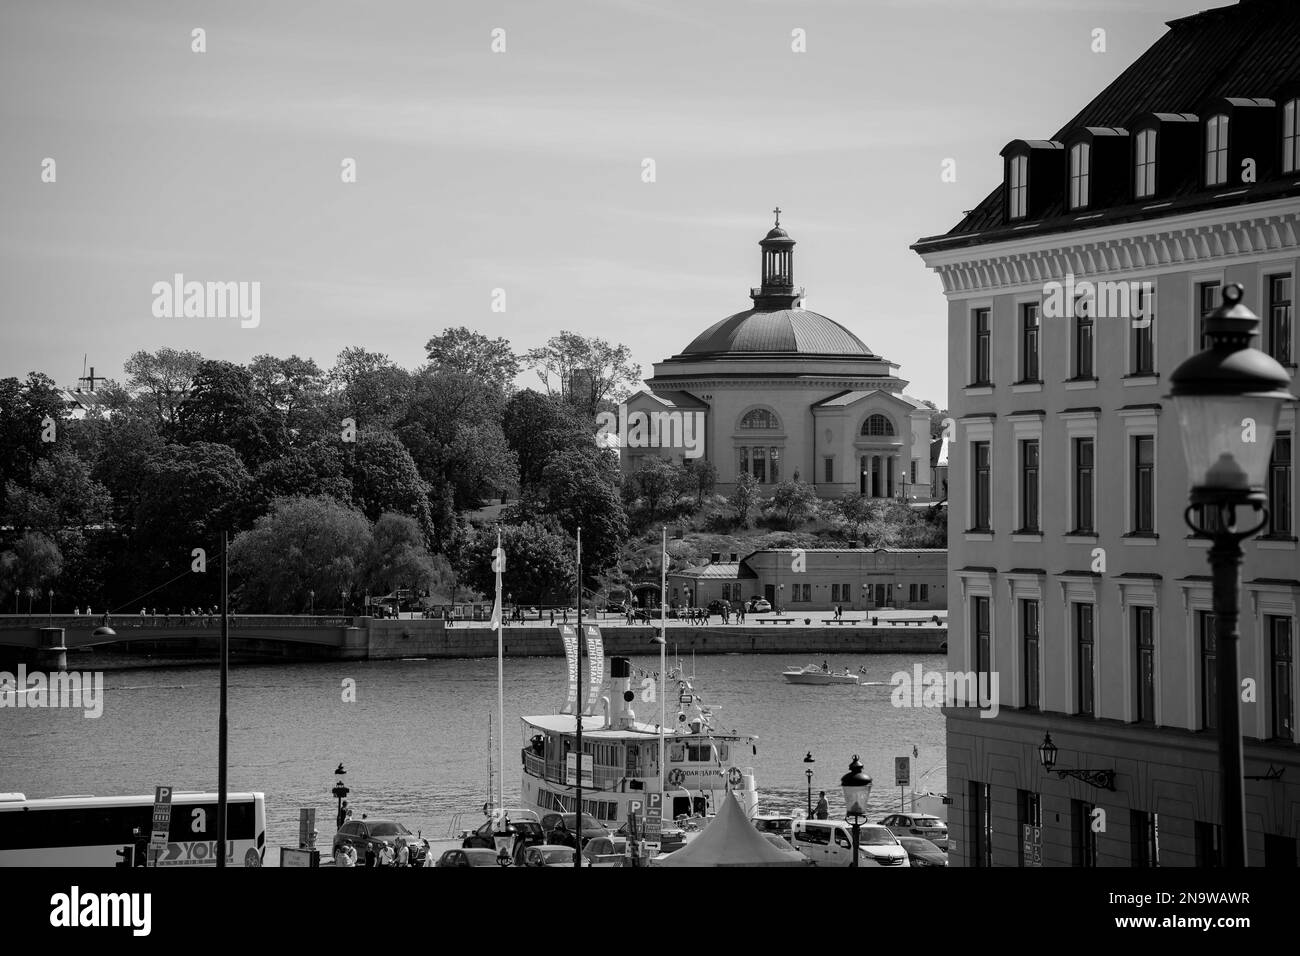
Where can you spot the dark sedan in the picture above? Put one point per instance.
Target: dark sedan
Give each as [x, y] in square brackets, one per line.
[373, 834]
[921, 852]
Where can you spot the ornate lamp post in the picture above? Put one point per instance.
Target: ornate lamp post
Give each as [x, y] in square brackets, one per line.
[808, 772]
[1105, 779]
[1228, 398]
[857, 790]
[340, 791]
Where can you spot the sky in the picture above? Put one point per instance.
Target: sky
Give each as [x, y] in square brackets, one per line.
[519, 170]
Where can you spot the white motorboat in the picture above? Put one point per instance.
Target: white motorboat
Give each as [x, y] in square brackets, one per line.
[815, 674]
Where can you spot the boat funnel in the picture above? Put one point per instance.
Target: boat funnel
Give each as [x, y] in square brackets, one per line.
[620, 673]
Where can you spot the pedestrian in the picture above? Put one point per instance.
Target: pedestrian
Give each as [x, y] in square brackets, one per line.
[345, 856]
[823, 808]
[565, 617]
[552, 617]
[342, 815]
[76, 611]
[386, 855]
[403, 852]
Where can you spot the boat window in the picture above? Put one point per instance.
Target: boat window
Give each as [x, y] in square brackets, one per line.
[700, 753]
[724, 752]
[677, 753]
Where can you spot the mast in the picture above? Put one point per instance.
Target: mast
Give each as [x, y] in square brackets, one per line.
[577, 824]
[501, 692]
[489, 758]
[663, 676]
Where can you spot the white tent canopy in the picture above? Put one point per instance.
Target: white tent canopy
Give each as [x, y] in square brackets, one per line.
[730, 840]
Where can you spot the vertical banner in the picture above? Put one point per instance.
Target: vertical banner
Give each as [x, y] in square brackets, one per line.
[570, 638]
[595, 667]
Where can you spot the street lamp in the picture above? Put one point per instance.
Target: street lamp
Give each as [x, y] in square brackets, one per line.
[1228, 398]
[1105, 779]
[339, 792]
[808, 772]
[857, 791]
[343, 601]
[311, 597]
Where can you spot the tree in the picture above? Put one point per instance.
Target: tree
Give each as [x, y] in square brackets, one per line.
[368, 388]
[489, 361]
[586, 372]
[165, 376]
[34, 562]
[384, 478]
[319, 469]
[744, 497]
[539, 562]
[398, 558]
[655, 481]
[583, 491]
[222, 407]
[699, 478]
[937, 417]
[292, 389]
[26, 408]
[887, 522]
[303, 545]
[127, 444]
[63, 498]
[795, 501]
[535, 427]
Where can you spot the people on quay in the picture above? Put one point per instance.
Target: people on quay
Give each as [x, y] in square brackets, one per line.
[345, 855]
[342, 815]
[76, 611]
[386, 856]
[823, 810]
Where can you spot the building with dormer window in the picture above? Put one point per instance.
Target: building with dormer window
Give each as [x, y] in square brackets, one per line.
[783, 393]
[1071, 572]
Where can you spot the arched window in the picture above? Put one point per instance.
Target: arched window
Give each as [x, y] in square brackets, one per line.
[1144, 164]
[877, 425]
[1291, 135]
[761, 418]
[1216, 150]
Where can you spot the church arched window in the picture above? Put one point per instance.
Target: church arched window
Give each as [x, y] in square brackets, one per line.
[761, 418]
[877, 425]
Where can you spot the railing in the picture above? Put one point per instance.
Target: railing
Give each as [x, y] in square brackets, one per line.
[602, 777]
[125, 620]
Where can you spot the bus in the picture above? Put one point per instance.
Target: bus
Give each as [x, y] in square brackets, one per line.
[115, 831]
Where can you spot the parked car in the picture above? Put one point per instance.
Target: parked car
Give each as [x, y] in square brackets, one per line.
[781, 844]
[758, 605]
[471, 857]
[486, 835]
[601, 851]
[550, 854]
[373, 834]
[830, 843]
[775, 823]
[616, 607]
[670, 838]
[591, 827]
[923, 825]
[921, 852]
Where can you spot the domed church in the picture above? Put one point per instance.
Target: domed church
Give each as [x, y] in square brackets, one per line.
[782, 392]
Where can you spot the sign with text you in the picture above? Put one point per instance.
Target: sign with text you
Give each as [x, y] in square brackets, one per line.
[162, 820]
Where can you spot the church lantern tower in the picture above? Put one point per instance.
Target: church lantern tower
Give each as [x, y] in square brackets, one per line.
[778, 290]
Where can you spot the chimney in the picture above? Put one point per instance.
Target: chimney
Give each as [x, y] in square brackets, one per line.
[620, 674]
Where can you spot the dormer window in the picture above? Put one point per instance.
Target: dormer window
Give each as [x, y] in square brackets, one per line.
[1080, 167]
[1216, 150]
[1017, 187]
[1144, 163]
[1291, 136]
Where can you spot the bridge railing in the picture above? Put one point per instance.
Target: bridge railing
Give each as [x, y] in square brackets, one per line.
[120, 622]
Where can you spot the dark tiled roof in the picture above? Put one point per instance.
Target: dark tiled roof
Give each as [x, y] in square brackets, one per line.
[777, 330]
[1249, 49]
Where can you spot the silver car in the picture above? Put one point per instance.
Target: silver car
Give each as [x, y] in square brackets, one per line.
[922, 825]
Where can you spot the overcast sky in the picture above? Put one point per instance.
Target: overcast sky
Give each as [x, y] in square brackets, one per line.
[519, 170]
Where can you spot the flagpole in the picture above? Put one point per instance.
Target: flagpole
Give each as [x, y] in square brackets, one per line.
[577, 854]
[501, 693]
[663, 664]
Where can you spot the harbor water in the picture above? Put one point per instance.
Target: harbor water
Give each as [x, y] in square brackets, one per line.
[414, 740]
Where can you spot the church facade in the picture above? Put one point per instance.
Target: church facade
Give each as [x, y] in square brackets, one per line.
[784, 393]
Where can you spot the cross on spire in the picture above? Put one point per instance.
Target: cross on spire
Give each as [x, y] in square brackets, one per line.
[777, 210]
[91, 378]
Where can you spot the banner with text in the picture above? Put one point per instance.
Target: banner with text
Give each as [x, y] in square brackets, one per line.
[595, 666]
[570, 638]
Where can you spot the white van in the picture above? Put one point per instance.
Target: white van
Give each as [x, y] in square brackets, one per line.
[830, 843]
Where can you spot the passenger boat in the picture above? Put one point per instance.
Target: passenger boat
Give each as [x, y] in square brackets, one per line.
[620, 766]
[814, 674]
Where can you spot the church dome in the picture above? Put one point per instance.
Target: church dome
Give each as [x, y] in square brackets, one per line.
[796, 331]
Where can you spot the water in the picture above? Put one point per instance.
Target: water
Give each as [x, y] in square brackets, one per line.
[415, 741]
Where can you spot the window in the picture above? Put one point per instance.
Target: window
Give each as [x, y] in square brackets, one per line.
[911, 593]
[1144, 336]
[981, 485]
[1029, 485]
[1084, 844]
[1279, 318]
[981, 825]
[1144, 643]
[1083, 365]
[877, 425]
[1083, 486]
[761, 418]
[980, 343]
[801, 593]
[914, 466]
[1209, 642]
[828, 469]
[1144, 164]
[1029, 626]
[925, 592]
[1207, 295]
[1216, 150]
[980, 630]
[1083, 635]
[1279, 486]
[759, 461]
[1281, 669]
[1029, 326]
[1209, 848]
[699, 753]
[1030, 815]
[1291, 136]
[1079, 169]
[1144, 838]
[1017, 187]
[1144, 484]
